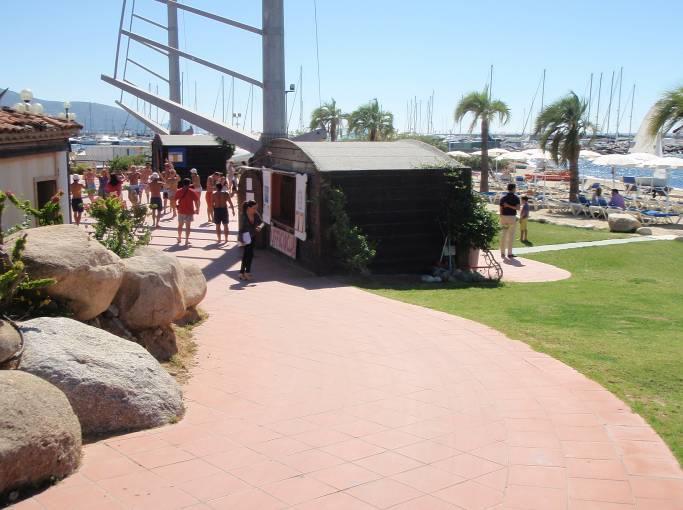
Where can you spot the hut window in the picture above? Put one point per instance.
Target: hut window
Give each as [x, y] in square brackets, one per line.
[283, 197]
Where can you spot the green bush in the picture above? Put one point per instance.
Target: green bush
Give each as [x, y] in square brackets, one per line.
[20, 296]
[79, 168]
[353, 250]
[121, 163]
[119, 229]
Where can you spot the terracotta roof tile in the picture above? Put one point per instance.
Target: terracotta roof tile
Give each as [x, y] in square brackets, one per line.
[13, 122]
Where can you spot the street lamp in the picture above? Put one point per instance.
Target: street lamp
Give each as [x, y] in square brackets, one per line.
[25, 106]
[67, 105]
[236, 116]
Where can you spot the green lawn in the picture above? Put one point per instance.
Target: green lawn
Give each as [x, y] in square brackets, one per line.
[618, 320]
[547, 233]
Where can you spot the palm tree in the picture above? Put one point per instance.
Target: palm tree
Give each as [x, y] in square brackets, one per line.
[328, 116]
[561, 126]
[371, 121]
[483, 109]
[668, 113]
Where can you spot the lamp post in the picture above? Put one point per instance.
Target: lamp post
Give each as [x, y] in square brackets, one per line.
[292, 88]
[26, 106]
[67, 105]
[237, 116]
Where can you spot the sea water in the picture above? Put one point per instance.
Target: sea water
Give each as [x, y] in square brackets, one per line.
[588, 169]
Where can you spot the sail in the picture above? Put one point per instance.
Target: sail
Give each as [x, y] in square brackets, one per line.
[644, 141]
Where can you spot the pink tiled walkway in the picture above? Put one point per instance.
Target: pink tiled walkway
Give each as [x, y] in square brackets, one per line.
[312, 396]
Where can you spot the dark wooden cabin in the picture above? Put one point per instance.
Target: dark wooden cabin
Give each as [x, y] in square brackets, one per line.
[202, 152]
[397, 202]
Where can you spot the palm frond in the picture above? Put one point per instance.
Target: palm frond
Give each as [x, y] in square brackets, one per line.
[668, 112]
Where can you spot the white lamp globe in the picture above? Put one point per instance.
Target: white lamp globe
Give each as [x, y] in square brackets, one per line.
[20, 107]
[62, 115]
[37, 108]
[26, 95]
[67, 105]
[72, 116]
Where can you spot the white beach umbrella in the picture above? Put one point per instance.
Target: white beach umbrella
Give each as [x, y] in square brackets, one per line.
[585, 153]
[617, 160]
[458, 154]
[669, 162]
[538, 154]
[498, 151]
[514, 156]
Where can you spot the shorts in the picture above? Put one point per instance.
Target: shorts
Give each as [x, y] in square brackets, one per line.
[165, 194]
[171, 193]
[220, 215]
[156, 201]
[90, 185]
[523, 223]
[134, 188]
[185, 218]
[77, 204]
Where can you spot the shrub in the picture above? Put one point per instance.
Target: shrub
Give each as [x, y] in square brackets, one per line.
[121, 163]
[119, 229]
[20, 296]
[49, 214]
[353, 250]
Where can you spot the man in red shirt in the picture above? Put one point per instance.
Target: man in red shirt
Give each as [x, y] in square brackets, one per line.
[187, 204]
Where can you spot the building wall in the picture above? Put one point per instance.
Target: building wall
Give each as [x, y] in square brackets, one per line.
[21, 173]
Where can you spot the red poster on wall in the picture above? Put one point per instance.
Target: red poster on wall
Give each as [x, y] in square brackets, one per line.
[283, 241]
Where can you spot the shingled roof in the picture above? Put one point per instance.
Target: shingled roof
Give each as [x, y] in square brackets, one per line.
[18, 126]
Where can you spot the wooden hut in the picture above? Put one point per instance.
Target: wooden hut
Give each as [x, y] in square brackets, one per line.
[395, 192]
[202, 152]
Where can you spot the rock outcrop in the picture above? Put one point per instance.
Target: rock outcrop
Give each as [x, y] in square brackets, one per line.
[10, 341]
[623, 223]
[87, 274]
[194, 284]
[114, 385]
[40, 438]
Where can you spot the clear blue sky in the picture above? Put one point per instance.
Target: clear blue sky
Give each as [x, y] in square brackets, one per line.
[389, 49]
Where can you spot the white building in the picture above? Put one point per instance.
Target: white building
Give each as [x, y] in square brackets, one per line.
[34, 159]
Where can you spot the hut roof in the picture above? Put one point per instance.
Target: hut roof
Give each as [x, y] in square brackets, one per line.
[363, 156]
[188, 140]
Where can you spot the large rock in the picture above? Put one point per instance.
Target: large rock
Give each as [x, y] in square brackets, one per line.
[644, 231]
[194, 285]
[151, 293]
[623, 223]
[88, 275]
[114, 385]
[10, 341]
[40, 438]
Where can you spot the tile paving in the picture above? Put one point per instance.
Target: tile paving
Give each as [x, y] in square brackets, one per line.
[311, 395]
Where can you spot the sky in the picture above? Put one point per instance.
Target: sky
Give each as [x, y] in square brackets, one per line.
[392, 50]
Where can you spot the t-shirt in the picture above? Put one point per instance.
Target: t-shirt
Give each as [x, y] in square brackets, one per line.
[510, 199]
[186, 199]
[524, 213]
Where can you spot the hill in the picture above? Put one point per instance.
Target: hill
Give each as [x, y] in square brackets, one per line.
[95, 117]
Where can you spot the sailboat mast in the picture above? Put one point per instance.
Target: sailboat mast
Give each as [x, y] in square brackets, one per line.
[597, 112]
[223, 98]
[543, 91]
[232, 101]
[630, 120]
[621, 80]
[590, 96]
[301, 98]
[491, 83]
[609, 106]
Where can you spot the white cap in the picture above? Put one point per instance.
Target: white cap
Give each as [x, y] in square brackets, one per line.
[193, 171]
[76, 177]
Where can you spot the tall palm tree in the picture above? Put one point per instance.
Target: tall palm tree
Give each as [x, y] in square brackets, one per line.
[371, 121]
[484, 110]
[329, 116]
[560, 126]
[668, 113]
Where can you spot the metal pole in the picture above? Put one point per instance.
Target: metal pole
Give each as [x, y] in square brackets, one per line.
[590, 97]
[274, 113]
[609, 106]
[621, 79]
[223, 98]
[118, 41]
[630, 121]
[175, 122]
[597, 112]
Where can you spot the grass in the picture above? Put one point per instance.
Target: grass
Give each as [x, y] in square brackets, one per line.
[546, 233]
[180, 363]
[618, 320]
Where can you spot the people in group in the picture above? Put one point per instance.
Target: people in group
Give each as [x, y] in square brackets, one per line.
[90, 178]
[210, 180]
[617, 200]
[508, 206]
[171, 181]
[134, 177]
[186, 201]
[145, 175]
[114, 185]
[220, 201]
[103, 180]
[250, 224]
[231, 177]
[597, 199]
[155, 187]
[76, 191]
[524, 220]
[196, 181]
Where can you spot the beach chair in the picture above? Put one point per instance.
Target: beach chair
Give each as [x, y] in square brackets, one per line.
[629, 184]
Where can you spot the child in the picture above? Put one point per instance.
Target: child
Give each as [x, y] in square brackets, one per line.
[524, 220]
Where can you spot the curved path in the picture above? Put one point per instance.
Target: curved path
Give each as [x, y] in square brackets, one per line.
[309, 395]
